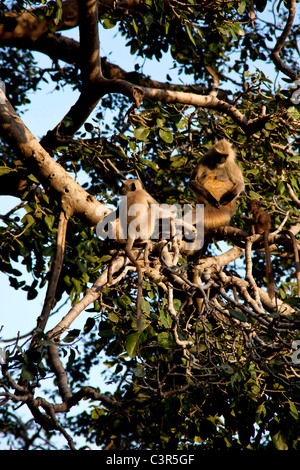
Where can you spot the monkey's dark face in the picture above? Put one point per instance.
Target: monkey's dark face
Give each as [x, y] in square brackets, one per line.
[220, 158]
[129, 186]
[254, 205]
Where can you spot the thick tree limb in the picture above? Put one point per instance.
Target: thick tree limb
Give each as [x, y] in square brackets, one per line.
[74, 199]
[87, 102]
[90, 63]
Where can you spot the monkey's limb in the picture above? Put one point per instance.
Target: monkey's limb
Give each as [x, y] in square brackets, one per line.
[269, 271]
[199, 188]
[231, 194]
[139, 271]
[248, 220]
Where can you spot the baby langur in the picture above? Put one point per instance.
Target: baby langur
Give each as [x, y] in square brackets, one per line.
[140, 227]
[261, 224]
[216, 182]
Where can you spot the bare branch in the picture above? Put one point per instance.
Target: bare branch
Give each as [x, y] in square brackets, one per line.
[55, 273]
[90, 296]
[60, 373]
[293, 196]
[249, 275]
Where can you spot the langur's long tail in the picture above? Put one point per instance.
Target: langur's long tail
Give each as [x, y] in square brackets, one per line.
[140, 288]
[269, 270]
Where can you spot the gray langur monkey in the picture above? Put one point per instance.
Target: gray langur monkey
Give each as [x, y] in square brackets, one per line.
[140, 226]
[217, 182]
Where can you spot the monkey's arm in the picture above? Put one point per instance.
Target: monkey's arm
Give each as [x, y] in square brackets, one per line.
[232, 193]
[249, 220]
[198, 188]
[151, 200]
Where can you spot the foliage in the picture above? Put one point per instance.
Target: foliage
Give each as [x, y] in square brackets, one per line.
[217, 378]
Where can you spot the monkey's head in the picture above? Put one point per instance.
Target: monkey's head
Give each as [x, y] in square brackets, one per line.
[220, 152]
[253, 205]
[130, 185]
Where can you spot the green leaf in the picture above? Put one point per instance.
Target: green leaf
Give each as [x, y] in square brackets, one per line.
[145, 306]
[242, 7]
[4, 170]
[166, 135]
[260, 413]
[105, 258]
[148, 163]
[132, 343]
[141, 133]
[165, 318]
[71, 359]
[124, 301]
[89, 325]
[238, 315]
[71, 336]
[177, 161]
[132, 145]
[188, 30]
[49, 221]
[160, 121]
[279, 441]
[177, 304]
[292, 301]
[28, 220]
[28, 371]
[182, 124]
[270, 126]
[136, 29]
[165, 340]
[139, 371]
[237, 29]
[227, 368]
[293, 411]
[113, 317]
[67, 121]
[108, 23]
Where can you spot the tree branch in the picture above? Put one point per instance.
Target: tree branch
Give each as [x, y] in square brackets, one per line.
[60, 373]
[90, 63]
[55, 273]
[280, 43]
[90, 296]
[74, 199]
